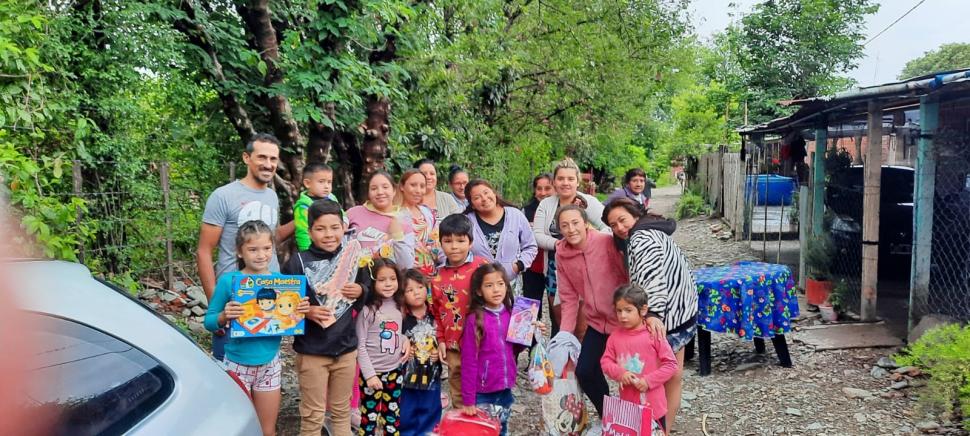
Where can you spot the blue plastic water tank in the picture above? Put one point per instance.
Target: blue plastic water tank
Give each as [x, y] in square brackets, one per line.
[773, 190]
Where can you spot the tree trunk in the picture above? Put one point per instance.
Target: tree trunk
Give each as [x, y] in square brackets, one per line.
[259, 23]
[345, 144]
[231, 105]
[375, 129]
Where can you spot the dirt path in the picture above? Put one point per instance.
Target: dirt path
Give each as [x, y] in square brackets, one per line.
[663, 201]
[748, 393]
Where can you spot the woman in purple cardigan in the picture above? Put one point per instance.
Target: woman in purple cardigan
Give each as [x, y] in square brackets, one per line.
[501, 233]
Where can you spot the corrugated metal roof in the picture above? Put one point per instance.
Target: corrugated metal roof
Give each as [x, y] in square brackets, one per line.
[852, 104]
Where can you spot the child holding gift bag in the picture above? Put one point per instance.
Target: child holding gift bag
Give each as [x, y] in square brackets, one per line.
[421, 397]
[635, 358]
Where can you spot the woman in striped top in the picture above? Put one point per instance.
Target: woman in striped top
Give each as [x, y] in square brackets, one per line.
[658, 266]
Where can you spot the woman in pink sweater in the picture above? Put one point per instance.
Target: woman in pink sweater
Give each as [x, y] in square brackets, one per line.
[589, 270]
[640, 361]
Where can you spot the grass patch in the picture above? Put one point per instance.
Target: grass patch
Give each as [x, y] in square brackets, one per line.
[691, 204]
[944, 354]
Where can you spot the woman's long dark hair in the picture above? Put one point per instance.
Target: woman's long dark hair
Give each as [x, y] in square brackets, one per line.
[477, 305]
[482, 182]
[625, 203]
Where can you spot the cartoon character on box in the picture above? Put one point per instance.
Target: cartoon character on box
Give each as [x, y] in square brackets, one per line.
[286, 313]
[257, 312]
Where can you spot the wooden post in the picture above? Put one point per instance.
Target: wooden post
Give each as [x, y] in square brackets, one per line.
[803, 228]
[170, 268]
[78, 188]
[818, 179]
[870, 213]
[919, 285]
[857, 157]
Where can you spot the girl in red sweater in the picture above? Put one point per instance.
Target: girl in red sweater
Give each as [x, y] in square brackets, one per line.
[635, 358]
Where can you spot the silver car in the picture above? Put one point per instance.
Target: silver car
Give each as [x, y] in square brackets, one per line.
[106, 364]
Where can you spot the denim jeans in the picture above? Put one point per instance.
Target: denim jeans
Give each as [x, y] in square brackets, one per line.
[501, 401]
[219, 346]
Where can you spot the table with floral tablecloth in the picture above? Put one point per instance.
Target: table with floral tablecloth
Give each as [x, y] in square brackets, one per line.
[753, 300]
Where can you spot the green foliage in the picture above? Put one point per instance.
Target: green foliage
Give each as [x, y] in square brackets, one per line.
[48, 219]
[944, 354]
[818, 257]
[837, 161]
[946, 58]
[786, 49]
[505, 88]
[691, 204]
[840, 295]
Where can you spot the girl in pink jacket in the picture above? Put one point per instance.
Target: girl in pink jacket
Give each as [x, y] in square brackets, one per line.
[640, 361]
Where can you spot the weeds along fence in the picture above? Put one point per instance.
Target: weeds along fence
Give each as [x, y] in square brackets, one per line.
[142, 219]
[720, 178]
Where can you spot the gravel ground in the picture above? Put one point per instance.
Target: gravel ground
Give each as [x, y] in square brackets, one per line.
[747, 393]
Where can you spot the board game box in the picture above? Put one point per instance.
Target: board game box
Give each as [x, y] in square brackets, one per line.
[269, 302]
[525, 311]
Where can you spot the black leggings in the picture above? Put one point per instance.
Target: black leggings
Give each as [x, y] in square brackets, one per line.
[589, 373]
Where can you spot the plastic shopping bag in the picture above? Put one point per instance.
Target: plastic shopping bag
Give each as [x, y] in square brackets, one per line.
[541, 376]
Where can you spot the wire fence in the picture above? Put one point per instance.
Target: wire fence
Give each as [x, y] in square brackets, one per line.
[142, 219]
[841, 235]
[949, 281]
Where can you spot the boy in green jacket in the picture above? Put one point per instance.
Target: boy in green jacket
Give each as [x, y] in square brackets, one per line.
[318, 181]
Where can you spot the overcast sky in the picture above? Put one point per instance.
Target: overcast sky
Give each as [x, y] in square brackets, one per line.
[933, 23]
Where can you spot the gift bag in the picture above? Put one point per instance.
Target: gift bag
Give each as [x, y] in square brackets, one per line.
[455, 423]
[421, 371]
[623, 418]
[563, 409]
[540, 373]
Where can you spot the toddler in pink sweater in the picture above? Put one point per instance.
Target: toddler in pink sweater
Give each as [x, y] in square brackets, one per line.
[639, 360]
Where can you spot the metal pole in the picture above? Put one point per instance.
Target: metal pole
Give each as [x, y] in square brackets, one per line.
[923, 206]
[781, 224]
[170, 268]
[764, 230]
[78, 188]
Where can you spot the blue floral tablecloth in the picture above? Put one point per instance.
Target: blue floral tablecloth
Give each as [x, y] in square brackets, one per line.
[750, 299]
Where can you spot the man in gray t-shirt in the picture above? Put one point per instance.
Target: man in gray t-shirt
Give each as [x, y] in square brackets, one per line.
[231, 205]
